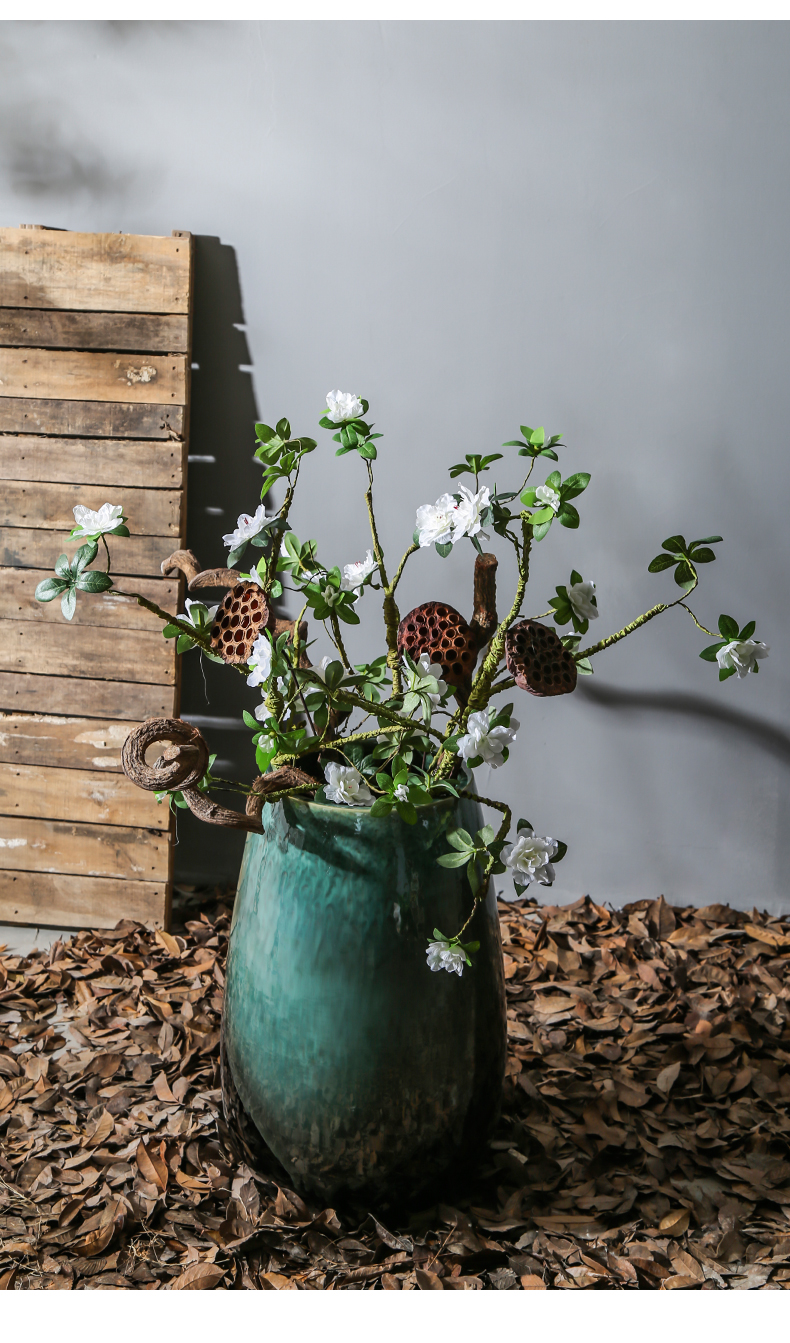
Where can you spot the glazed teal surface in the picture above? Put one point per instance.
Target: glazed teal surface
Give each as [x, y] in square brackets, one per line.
[360, 1067]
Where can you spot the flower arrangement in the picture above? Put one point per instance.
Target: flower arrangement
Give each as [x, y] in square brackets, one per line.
[409, 726]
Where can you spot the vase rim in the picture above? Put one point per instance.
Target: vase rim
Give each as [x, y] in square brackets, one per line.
[344, 810]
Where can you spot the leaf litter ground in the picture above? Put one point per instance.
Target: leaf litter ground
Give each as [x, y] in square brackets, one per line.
[643, 1141]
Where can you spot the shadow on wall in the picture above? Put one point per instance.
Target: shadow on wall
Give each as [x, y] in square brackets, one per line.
[223, 481]
[760, 733]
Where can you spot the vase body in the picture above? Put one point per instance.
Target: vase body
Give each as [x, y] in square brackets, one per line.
[362, 1069]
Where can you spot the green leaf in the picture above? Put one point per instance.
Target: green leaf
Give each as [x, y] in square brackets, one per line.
[538, 437]
[486, 835]
[50, 588]
[709, 654]
[333, 675]
[703, 555]
[748, 630]
[562, 849]
[707, 541]
[675, 544]
[84, 556]
[543, 515]
[284, 429]
[728, 628]
[68, 603]
[460, 839]
[264, 432]
[452, 859]
[381, 807]
[63, 568]
[554, 480]
[684, 576]
[120, 530]
[529, 497]
[514, 443]
[575, 484]
[444, 548]
[725, 672]
[250, 721]
[94, 581]
[407, 812]
[661, 562]
[568, 516]
[541, 530]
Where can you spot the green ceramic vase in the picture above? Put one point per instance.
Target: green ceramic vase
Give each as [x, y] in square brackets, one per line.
[362, 1069]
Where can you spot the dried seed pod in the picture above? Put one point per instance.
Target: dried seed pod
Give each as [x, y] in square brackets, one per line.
[442, 632]
[538, 660]
[242, 616]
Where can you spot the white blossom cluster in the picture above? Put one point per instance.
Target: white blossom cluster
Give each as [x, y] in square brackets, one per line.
[448, 520]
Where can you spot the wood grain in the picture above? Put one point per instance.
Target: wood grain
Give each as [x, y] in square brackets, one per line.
[95, 461]
[86, 698]
[26, 646]
[89, 419]
[52, 330]
[90, 375]
[39, 504]
[78, 795]
[29, 548]
[67, 743]
[99, 272]
[34, 845]
[18, 602]
[47, 899]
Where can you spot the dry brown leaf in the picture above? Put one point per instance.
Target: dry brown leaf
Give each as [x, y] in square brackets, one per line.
[668, 1077]
[162, 1089]
[197, 1278]
[428, 1282]
[675, 1223]
[152, 1165]
[532, 1283]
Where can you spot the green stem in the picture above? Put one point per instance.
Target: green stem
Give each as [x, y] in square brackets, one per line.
[335, 623]
[390, 607]
[641, 620]
[502, 833]
[698, 624]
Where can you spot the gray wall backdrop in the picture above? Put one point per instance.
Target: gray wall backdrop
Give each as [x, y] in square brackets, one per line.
[582, 225]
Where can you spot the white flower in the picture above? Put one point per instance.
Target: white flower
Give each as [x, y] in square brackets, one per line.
[485, 741]
[355, 574]
[546, 495]
[246, 528]
[401, 793]
[342, 406]
[260, 660]
[529, 859]
[441, 956]
[580, 597]
[435, 521]
[211, 611]
[742, 655]
[90, 523]
[345, 784]
[467, 513]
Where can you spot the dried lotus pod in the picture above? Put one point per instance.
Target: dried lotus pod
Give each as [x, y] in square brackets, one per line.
[241, 617]
[538, 660]
[442, 632]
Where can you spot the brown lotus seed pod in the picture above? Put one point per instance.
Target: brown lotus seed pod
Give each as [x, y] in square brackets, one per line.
[538, 660]
[240, 618]
[442, 632]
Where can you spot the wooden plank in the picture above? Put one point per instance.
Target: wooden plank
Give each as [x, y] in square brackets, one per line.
[67, 743]
[29, 548]
[90, 375]
[33, 845]
[46, 899]
[51, 330]
[29, 647]
[95, 461]
[89, 419]
[78, 795]
[97, 272]
[86, 698]
[24, 503]
[18, 602]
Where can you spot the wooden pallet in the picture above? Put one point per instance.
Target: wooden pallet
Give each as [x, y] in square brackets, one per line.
[95, 334]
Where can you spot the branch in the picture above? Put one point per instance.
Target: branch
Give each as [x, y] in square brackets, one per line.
[642, 620]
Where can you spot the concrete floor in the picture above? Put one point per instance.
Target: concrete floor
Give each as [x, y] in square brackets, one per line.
[20, 939]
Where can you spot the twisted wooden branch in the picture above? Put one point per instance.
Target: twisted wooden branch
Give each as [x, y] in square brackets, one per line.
[184, 762]
[183, 560]
[484, 617]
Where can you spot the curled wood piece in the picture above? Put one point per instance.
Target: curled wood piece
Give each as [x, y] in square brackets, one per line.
[538, 660]
[183, 763]
[278, 627]
[441, 631]
[288, 776]
[484, 617]
[240, 618]
[201, 805]
[214, 578]
[183, 560]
